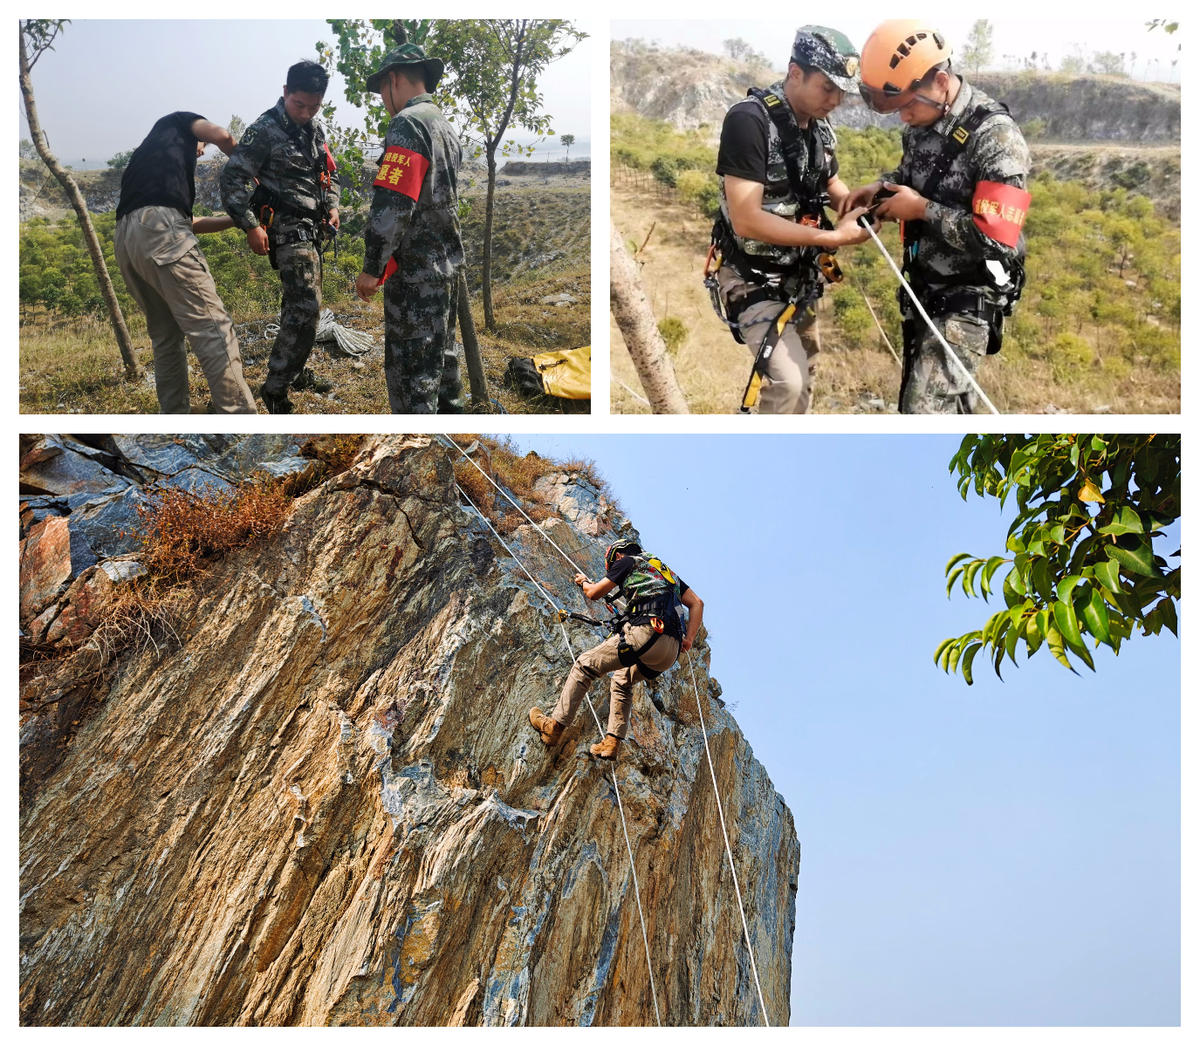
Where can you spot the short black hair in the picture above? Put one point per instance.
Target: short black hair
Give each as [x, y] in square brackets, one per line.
[413, 73]
[307, 76]
[931, 74]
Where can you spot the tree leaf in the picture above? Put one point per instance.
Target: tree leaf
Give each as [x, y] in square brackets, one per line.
[1010, 643]
[1040, 576]
[1166, 608]
[1126, 521]
[1033, 635]
[1068, 625]
[1139, 560]
[1089, 492]
[1054, 641]
[986, 579]
[1107, 572]
[956, 559]
[1095, 616]
[1066, 585]
[968, 660]
[941, 649]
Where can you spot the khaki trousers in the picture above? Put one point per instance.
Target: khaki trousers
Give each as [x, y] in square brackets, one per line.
[167, 275]
[789, 377]
[600, 660]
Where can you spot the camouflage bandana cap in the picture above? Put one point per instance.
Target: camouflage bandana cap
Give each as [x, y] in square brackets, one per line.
[830, 51]
[408, 54]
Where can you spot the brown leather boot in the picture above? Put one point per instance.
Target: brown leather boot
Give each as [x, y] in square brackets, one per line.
[550, 729]
[607, 749]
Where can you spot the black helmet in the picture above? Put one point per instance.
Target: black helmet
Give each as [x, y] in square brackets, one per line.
[624, 546]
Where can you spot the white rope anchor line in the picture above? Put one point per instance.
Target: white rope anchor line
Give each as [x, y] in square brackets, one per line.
[515, 505]
[925, 316]
[737, 888]
[867, 302]
[637, 396]
[728, 849]
[637, 893]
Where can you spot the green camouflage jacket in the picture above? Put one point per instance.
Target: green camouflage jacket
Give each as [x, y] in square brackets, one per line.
[286, 157]
[951, 243]
[414, 212]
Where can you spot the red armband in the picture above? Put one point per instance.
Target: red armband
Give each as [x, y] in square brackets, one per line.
[402, 171]
[999, 210]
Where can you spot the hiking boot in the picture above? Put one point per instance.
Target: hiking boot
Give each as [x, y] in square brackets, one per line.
[307, 381]
[606, 749]
[275, 404]
[550, 729]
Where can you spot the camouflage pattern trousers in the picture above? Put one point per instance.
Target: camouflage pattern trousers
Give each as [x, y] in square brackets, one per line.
[932, 384]
[419, 360]
[300, 274]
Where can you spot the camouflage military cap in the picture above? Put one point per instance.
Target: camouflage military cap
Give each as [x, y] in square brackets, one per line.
[830, 51]
[408, 54]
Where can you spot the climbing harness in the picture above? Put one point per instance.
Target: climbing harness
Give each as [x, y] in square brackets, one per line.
[562, 616]
[925, 316]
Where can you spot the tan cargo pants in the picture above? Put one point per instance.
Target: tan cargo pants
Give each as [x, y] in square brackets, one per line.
[788, 385]
[600, 660]
[166, 273]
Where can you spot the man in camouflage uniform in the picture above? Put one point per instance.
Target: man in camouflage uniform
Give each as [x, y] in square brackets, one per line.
[772, 228]
[960, 194]
[413, 232]
[278, 187]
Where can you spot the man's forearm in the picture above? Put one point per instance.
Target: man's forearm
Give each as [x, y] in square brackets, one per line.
[771, 228]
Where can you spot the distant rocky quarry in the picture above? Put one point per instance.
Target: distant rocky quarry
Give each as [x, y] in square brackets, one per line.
[691, 90]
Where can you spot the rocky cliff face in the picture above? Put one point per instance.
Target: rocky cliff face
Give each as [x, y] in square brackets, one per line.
[692, 90]
[323, 803]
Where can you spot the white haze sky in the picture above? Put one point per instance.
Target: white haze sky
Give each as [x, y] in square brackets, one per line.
[1010, 36]
[144, 69]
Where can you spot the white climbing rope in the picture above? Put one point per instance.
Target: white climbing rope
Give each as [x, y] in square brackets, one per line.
[515, 505]
[925, 316]
[704, 731]
[728, 850]
[636, 395]
[637, 893]
[867, 302]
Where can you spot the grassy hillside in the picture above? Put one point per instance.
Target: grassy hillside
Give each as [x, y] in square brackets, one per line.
[1096, 330]
[69, 360]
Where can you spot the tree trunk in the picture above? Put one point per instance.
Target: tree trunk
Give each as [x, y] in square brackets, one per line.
[489, 317]
[636, 322]
[466, 324]
[133, 369]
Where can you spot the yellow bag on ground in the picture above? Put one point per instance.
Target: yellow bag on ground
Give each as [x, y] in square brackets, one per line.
[566, 374]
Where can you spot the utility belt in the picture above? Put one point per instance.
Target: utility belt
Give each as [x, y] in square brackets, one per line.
[307, 225]
[967, 299]
[656, 614]
[769, 280]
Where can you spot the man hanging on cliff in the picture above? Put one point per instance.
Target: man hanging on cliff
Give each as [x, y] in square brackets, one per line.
[960, 198]
[648, 643]
[413, 231]
[278, 187]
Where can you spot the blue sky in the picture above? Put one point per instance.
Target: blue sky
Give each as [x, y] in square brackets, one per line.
[1003, 854]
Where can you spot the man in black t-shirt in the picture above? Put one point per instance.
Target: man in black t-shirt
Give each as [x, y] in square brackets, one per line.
[772, 228]
[160, 258]
[648, 643]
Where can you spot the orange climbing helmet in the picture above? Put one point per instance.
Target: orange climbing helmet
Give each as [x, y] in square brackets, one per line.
[895, 59]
